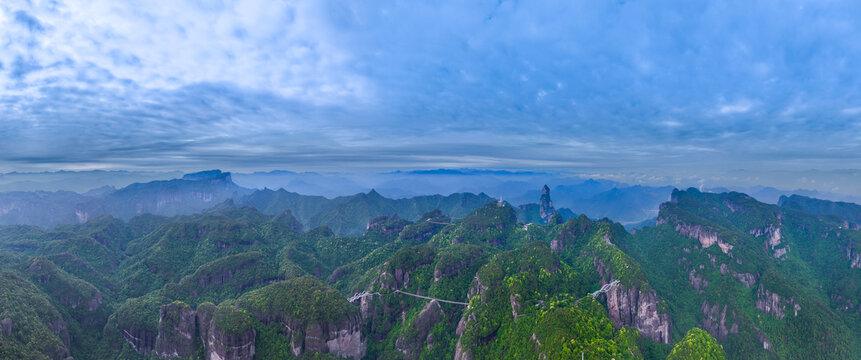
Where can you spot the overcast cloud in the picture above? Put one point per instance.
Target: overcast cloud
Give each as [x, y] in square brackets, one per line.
[649, 90]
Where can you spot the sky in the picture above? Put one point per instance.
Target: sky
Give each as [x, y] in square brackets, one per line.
[716, 92]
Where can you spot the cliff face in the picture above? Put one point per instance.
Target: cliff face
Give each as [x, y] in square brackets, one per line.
[715, 320]
[410, 343]
[342, 340]
[58, 327]
[82, 298]
[221, 345]
[141, 340]
[772, 303]
[630, 306]
[853, 255]
[705, 235]
[177, 325]
[773, 239]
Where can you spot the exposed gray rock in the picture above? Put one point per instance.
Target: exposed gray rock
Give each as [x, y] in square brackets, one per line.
[697, 281]
[220, 345]
[772, 303]
[141, 340]
[459, 352]
[342, 340]
[853, 255]
[773, 239]
[6, 327]
[545, 206]
[633, 307]
[761, 337]
[177, 325]
[714, 321]
[427, 318]
[707, 236]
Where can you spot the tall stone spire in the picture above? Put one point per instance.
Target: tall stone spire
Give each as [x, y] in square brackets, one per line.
[545, 205]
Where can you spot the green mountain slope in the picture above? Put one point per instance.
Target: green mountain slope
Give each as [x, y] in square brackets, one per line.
[447, 277]
[745, 272]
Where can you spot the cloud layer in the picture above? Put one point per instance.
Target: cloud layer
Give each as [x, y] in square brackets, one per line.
[647, 89]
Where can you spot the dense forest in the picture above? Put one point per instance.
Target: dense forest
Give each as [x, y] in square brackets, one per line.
[718, 276]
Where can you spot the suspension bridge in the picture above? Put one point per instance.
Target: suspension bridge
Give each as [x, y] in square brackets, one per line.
[362, 294]
[606, 288]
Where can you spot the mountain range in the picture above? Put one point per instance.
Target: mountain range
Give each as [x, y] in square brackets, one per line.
[230, 273]
[195, 192]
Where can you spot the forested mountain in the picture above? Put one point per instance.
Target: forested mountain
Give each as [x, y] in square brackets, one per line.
[265, 282]
[195, 192]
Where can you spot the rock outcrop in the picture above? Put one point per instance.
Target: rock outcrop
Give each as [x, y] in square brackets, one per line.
[477, 289]
[706, 235]
[389, 225]
[545, 206]
[6, 327]
[853, 255]
[63, 288]
[410, 343]
[630, 306]
[714, 321]
[219, 344]
[747, 279]
[773, 239]
[141, 340]
[568, 235]
[697, 281]
[394, 277]
[177, 325]
[772, 303]
[762, 339]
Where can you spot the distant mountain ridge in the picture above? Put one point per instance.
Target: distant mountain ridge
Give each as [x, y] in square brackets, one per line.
[196, 192]
[192, 193]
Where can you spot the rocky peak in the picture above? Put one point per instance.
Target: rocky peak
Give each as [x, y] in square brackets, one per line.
[286, 218]
[545, 205]
[388, 225]
[210, 175]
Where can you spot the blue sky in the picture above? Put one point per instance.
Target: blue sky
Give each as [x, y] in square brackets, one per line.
[747, 92]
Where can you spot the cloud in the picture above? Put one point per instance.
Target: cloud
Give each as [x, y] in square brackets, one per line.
[281, 47]
[340, 84]
[851, 111]
[739, 107]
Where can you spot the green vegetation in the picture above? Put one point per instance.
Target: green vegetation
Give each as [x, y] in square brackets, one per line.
[306, 299]
[697, 345]
[86, 290]
[527, 308]
[231, 320]
[729, 300]
[36, 328]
